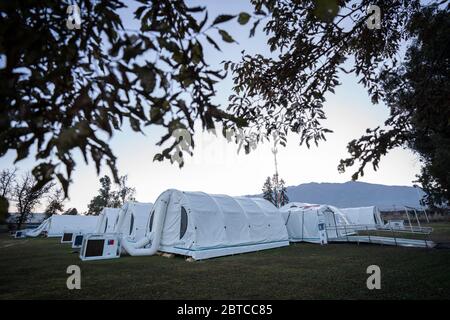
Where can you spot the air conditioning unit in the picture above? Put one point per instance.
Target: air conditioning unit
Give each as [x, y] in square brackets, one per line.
[100, 246]
[77, 240]
[67, 237]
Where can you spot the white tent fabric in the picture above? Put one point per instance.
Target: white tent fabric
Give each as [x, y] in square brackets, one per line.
[203, 226]
[132, 221]
[58, 224]
[303, 222]
[107, 220]
[368, 216]
[43, 227]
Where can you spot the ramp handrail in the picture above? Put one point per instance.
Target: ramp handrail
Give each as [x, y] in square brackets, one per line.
[371, 228]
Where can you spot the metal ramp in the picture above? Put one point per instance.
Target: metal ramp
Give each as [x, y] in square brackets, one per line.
[382, 235]
[401, 242]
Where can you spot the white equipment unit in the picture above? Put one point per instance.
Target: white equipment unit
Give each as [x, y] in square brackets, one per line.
[67, 237]
[20, 234]
[100, 246]
[77, 240]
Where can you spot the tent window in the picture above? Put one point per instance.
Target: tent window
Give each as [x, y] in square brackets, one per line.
[184, 222]
[150, 227]
[131, 224]
[106, 225]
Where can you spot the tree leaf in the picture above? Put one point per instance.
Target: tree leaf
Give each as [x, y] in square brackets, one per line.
[226, 36]
[210, 40]
[222, 18]
[243, 18]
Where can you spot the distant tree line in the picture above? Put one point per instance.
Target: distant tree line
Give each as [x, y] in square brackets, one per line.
[107, 197]
[22, 191]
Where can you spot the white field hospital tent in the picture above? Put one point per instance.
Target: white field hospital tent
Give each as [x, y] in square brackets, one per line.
[57, 225]
[314, 223]
[364, 216]
[107, 220]
[43, 227]
[203, 226]
[130, 225]
[133, 220]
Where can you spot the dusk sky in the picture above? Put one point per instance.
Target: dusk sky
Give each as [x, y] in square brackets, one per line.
[216, 167]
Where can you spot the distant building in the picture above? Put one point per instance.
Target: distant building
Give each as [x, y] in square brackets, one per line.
[33, 220]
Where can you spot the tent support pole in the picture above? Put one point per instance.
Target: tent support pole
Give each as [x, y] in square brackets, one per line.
[335, 224]
[303, 225]
[417, 218]
[426, 215]
[409, 220]
[393, 235]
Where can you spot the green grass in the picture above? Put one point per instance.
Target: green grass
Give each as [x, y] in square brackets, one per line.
[36, 269]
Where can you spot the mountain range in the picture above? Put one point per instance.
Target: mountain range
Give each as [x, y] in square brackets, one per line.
[355, 194]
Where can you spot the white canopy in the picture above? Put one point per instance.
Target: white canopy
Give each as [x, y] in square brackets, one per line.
[203, 226]
[107, 220]
[56, 225]
[369, 216]
[313, 222]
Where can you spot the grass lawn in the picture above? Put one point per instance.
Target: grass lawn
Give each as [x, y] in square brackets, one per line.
[36, 269]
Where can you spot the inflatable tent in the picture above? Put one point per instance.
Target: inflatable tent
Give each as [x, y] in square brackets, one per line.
[42, 228]
[133, 219]
[364, 216]
[107, 220]
[130, 224]
[314, 223]
[202, 226]
[198, 225]
[57, 225]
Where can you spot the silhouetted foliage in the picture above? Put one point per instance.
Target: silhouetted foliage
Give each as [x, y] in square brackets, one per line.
[7, 180]
[56, 202]
[311, 41]
[418, 95]
[268, 191]
[71, 212]
[63, 89]
[27, 197]
[284, 199]
[274, 190]
[108, 197]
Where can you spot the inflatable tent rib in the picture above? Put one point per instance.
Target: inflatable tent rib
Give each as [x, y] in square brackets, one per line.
[204, 226]
[107, 220]
[314, 223]
[133, 219]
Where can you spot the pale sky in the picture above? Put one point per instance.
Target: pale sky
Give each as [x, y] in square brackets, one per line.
[216, 168]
